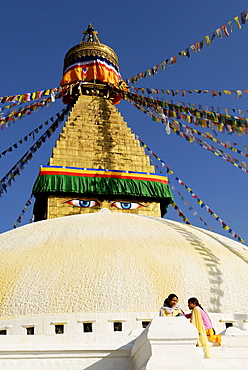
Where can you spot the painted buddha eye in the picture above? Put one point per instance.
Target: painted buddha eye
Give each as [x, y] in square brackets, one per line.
[127, 205]
[82, 203]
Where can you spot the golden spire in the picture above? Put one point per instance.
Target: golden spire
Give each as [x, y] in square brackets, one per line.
[92, 35]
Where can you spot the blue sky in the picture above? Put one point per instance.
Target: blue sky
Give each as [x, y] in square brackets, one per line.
[142, 33]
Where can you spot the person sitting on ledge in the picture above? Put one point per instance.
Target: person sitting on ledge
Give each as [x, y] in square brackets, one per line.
[170, 307]
[198, 314]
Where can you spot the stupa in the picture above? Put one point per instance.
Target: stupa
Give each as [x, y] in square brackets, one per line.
[100, 276]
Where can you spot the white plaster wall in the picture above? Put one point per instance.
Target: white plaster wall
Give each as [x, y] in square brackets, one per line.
[103, 322]
[73, 323]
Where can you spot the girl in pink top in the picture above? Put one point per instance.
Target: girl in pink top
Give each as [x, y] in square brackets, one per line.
[192, 304]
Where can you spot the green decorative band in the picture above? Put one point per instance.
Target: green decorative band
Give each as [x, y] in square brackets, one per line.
[109, 182]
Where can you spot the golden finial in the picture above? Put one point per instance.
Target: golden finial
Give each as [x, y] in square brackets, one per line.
[92, 35]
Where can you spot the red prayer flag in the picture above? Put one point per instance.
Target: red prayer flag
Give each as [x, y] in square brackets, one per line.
[225, 30]
[197, 45]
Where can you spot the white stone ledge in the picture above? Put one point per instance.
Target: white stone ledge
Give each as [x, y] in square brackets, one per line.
[59, 323]
[6, 327]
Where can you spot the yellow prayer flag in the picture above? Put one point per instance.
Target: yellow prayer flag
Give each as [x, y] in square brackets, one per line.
[237, 21]
[220, 126]
[227, 92]
[207, 40]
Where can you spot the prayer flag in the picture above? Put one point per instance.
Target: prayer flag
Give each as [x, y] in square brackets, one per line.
[230, 26]
[182, 53]
[187, 52]
[173, 60]
[225, 30]
[197, 45]
[163, 65]
[237, 21]
[219, 33]
[244, 16]
[213, 35]
[193, 48]
[207, 40]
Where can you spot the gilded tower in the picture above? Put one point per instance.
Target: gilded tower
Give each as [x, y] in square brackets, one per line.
[97, 163]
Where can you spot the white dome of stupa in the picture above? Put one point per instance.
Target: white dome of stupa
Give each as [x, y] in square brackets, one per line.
[113, 262]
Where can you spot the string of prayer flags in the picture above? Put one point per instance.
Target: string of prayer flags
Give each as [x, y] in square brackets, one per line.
[190, 208]
[19, 219]
[200, 118]
[174, 92]
[239, 112]
[33, 96]
[207, 135]
[25, 138]
[217, 110]
[176, 129]
[212, 149]
[27, 110]
[196, 47]
[7, 107]
[199, 201]
[19, 166]
[180, 213]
